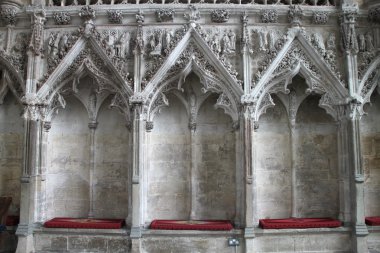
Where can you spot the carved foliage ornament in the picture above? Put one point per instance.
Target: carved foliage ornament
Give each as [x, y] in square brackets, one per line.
[320, 18]
[87, 13]
[115, 16]
[374, 14]
[193, 14]
[61, 18]
[295, 15]
[8, 15]
[269, 16]
[220, 16]
[165, 15]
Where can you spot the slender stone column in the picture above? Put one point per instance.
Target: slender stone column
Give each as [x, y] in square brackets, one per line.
[92, 126]
[293, 150]
[350, 46]
[30, 180]
[138, 175]
[344, 175]
[193, 174]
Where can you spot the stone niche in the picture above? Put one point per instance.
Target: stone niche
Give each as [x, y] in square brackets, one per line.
[370, 137]
[11, 150]
[191, 168]
[71, 190]
[313, 162]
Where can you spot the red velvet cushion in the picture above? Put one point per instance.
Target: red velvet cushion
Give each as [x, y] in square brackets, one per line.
[299, 223]
[84, 223]
[372, 221]
[191, 224]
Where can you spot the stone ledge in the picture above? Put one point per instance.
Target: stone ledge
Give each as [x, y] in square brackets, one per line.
[264, 232]
[190, 233]
[373, 229]
[74, 231]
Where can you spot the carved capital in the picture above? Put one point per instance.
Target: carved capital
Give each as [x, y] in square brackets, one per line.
[61, 18]
[136, 99]
[149, 126]
[93, 125]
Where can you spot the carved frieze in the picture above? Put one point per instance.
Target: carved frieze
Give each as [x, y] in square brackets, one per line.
[62, 18]
[165, 15]
[220, 16]
[269, 16]
[17, 55]
[115, 16]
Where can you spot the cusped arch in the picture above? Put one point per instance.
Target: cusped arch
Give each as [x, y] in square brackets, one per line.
[299, 58]
[210, 84]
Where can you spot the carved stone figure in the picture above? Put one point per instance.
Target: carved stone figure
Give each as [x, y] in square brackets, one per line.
[36, 41]
[215, 44]
[331, 45]
[155, 43]
[122, 45]
[369, 42]
[232, 37]
[317, 40]
[361, 42]
[62, 45]
[110, 45]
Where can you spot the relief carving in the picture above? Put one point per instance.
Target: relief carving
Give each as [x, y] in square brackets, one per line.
[165, 15]
[220, 16]
[115, 16]
[269, 16]
[36, 40]
[61, 18]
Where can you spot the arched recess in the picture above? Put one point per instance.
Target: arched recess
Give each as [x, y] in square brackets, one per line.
[273, 163]
[317, 163]
[370, 143]
[96, 87]
[192, 141]
[11, 150]
[311, 165]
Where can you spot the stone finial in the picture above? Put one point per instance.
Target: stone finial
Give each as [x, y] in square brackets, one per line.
[220, 16]
[269, 16]
[165, 15]
[61, 18]
[115, 16]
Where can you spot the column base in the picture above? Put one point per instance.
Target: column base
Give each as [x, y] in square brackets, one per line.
[361, 230]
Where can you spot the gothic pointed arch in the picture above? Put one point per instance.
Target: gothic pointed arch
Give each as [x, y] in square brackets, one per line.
[86, 52]
[86, 58]
[193, 55]
[298, 56]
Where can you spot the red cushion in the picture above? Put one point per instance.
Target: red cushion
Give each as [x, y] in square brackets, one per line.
[299, 223]
[372, 221]
[191, 224]
[12, 220]
[84, 223]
